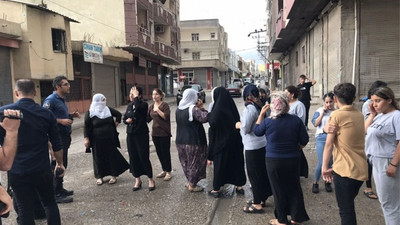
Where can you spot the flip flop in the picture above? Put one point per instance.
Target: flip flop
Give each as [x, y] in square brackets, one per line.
[250, 202]
[113, 180]
[371, 195]
[274, 222]
[252, 209]
[99, 181]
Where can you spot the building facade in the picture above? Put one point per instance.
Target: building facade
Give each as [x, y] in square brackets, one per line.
[204, 53]
[335, 41]
[34, 44]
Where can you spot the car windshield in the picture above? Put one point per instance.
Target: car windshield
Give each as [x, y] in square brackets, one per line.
[232, 86]
[195, 87]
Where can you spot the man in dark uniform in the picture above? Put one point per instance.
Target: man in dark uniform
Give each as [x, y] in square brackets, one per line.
[56, 103]
[31, 174]
[305, 97]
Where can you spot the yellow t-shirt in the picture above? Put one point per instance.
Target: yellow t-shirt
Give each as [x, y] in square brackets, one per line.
[349, 158]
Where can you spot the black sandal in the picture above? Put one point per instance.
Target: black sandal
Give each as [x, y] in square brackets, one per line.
[252, 209]
[251, 202]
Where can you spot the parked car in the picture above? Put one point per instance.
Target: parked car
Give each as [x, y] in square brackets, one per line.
[200, 92]
[248, 80]
[238, 82]
[234, 90]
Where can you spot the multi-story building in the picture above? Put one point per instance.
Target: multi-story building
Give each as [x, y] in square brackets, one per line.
[336, 41]
[34, 44]
[233, 65]
[134, 43]
[204, 53]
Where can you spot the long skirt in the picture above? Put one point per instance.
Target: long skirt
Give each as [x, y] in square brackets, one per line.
[284, 177]
[107, 160]
[139, 155]
[193, 159]
[257, 173]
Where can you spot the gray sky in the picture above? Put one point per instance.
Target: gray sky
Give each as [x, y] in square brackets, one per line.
[238, 18]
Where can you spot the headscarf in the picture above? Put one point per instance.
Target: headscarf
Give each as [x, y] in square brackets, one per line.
[279, 104]
[189, 100]
[99, 107]
[210, 106]
[251, 90]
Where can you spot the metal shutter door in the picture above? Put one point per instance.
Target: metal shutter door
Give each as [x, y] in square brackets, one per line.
[6, 93]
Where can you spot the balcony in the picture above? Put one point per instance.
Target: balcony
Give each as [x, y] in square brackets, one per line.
[145, 4]
[161, 15]
[167, 52]
[139, 39]
[280, 23]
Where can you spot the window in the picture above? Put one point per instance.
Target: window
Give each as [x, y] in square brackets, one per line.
[303, 54]
[212, 35]
[297, 58]
[196, 55]
[195, 36]
[58, 38]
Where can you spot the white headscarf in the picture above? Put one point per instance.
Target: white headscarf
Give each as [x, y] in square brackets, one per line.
[189, 100]
[98, 107]
[211, 105]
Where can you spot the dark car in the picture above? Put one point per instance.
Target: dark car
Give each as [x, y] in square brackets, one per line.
[234, 90]
[200, 92]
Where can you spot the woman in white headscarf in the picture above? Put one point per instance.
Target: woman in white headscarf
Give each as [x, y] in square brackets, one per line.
[191, 140]
[101, 134]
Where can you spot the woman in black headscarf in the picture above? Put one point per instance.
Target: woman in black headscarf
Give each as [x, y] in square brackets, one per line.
[225, 143]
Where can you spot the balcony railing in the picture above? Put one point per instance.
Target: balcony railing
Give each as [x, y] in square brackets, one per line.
[280, 23]
[139, 37]
[167, 52]
[162, 15]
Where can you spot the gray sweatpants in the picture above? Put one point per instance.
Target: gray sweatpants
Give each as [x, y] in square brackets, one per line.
[388, 189]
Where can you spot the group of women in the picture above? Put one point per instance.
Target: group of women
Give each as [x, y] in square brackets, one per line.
[271, 133]
[101, 135]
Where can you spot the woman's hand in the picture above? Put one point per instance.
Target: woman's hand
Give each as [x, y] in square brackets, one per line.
[129, 120]
[372, 109]
[327, 175]
[264, 109]
[238, 125]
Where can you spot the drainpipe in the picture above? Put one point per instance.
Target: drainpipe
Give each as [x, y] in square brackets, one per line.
[353, 78]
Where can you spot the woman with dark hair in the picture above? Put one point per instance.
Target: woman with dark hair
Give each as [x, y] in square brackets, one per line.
[191, 140]
[296, 107]
[137, 138]
[226, 148]
[159, 113]
[383, 148]
[263, 96]
[101, 134]
[285, 135]
[254, 151]
[320, 118]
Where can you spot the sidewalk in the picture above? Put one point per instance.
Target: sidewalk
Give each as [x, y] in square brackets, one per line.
[79, 122]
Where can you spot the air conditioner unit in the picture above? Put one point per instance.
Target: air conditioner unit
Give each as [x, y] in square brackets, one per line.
[159, 28]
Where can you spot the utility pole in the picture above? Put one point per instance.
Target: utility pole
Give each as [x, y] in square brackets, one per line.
[261, 45]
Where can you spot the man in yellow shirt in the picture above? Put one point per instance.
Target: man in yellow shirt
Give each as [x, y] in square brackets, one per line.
[349, 169]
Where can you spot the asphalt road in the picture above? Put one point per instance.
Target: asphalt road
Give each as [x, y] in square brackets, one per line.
[171, 203]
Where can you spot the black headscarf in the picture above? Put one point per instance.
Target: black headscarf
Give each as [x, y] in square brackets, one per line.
[251, 90]
[222, 120]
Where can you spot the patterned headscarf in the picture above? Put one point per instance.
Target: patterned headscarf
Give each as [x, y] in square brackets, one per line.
[279, 104]
[99, 107]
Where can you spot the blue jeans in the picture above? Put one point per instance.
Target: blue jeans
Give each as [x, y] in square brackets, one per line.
[320, 145]
[346, 190]
[25, 187]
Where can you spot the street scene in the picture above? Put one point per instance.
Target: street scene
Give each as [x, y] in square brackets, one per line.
[125, 87]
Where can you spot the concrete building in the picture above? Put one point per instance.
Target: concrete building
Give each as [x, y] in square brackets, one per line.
[34, 44]
[134, 43]
[233, 65]
[335, 41]
[204, 50]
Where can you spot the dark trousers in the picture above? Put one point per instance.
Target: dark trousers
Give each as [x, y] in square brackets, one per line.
[66, 142]
[163, 149]
[346, 190]
[368, 182]
[26, 187]
[139, 155]
[257, 173]
[307, 105]
[284, 177]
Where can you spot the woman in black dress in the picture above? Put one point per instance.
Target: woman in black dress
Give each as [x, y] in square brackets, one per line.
[101, 134]
[225, 143]
[137, 138]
